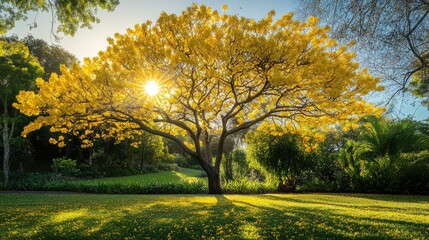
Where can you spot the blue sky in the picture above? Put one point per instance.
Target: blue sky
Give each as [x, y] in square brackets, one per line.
[88, 42]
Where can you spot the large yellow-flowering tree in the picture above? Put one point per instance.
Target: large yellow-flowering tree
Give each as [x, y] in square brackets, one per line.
[217, 74]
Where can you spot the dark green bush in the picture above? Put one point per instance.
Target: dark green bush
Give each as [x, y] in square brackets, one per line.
[30, 181]
[64, 167]
[316, 184]
[245, 186]
[167, 166]
[413, 176]
[90, 171]
[402, 173]
[118, 171]
[149, 169]
[281, 158]
[49, 182]
[182, 161]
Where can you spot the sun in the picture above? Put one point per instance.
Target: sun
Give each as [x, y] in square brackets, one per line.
[151, 88]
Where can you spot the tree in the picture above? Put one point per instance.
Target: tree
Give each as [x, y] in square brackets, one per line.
[423, 127]
[70, 14]
[351, 164]
[282, 157]
[384, 138]
[419, 85]
[217, 74]
[386, 156]
[234, 165]
[18, 69]
[392, 35]
[21, 152]
[49, 56]
[153, 150]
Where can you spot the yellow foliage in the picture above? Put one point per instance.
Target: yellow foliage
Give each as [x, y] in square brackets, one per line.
[217, 73]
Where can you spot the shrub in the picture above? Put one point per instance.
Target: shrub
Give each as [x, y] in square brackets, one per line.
[54, 182]
[167, 166]
[118, 171]
[149, 169]
[316, 184]
[64, 167]
[414, 175]
[30, 181]
[196, 167]
[182, 161]
[244, 186]
[401, 173]
[283, 158]
[90, 171]
[234, 165]
[48, 182]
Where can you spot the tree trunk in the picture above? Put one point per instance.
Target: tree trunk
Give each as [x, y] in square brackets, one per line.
[288, 186]
[214, 182]
[6, 156]
[7, 136]
[91, 157]
[142, 158]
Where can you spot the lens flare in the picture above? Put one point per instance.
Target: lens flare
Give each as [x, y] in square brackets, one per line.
[151, 88]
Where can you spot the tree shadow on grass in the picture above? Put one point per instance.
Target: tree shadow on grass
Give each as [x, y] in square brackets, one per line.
[395, 198]
[419, 209]
[339, 222]
[218, 217]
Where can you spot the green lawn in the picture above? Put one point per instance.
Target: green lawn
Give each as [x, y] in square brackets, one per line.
[184, 174]
[272, 216]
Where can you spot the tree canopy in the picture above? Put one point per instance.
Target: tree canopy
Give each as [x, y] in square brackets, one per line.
[383, 137]
[18, 68]
[49, 56]
[391, 35]
[217, 74]
[419, 85]
[71, 15]
[280, 157]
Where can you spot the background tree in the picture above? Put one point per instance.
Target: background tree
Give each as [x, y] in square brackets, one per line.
[18, 69]
[423, 127]
[419, 85]
[327, 173]
[217, 74]
[71, 15]
[350, 163]
[382, 137]
[387, 156]
[153, 150]
[391, 35]
[21, 152]
[281, 157]
[234, 165]
[50, 56]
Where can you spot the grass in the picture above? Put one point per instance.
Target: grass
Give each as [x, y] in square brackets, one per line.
[183, 175]
[271, 216]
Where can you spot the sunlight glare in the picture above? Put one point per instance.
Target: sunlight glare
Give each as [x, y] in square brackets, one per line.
[151, 88]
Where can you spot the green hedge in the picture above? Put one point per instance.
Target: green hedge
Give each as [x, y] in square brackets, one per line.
[49, 182]
[245, 186]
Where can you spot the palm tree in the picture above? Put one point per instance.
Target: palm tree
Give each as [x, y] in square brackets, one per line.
[382, 137]
[387, 156]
